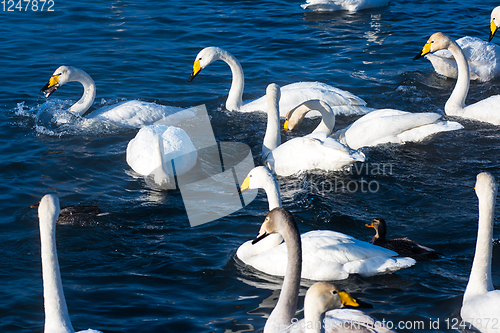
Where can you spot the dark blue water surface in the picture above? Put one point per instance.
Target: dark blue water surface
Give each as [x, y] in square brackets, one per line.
[142, 268]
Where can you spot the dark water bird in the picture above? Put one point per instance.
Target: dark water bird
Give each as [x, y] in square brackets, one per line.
[79, 215]
[403, 246]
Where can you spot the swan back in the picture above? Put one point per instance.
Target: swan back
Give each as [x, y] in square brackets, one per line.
[56, 311]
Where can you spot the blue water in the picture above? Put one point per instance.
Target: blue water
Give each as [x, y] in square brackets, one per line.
[142, 267]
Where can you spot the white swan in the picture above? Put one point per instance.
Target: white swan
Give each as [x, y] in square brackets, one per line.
[350, 5]
[483, 59]
[280, 221]
[494, 22]
[153, 149]
[380, 126]
[327, 255]
[480, 306]
[56, 311]
[487, 110]
[293, 94]
[313, 151]
[133, 113]
[324, 296]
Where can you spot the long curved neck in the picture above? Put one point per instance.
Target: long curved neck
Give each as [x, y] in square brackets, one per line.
[272, 137]
[56, 311]
[273, 193]
[284, 311]
[456, 102]
[235, 98]
[480, 275]
[89, 91]
[328, 117]
[313, 319]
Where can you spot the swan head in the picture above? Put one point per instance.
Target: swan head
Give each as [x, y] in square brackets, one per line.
[494, 22]
[380, 227]
[61, 76]
[324, 296]
[275, 222]
[486, 186]
[258, 177]
[438, 41]
[204, 58]
[48, 208]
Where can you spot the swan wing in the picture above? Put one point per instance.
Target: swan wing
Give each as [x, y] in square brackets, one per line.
[487, 110]
[350, 5]
[292, 95]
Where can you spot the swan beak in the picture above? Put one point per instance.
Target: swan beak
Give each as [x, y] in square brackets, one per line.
[246, 184]
[51, 86]
[263, 232]
[425, 50]
[370, 225]
[196, 70]
[350, 302]
[285, 126]
[493, 30]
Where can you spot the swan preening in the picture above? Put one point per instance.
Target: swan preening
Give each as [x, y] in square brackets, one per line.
[480, 306]
[350, 5]
[403, 246]
[56, 311]
[156, 147]
[133, 113]
[494, 22]
[379, 127]
[487, 110]
[313, 151]
[327, 255]
[293, 94]
[281, 221]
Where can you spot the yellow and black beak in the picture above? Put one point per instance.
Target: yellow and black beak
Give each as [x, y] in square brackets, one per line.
[51, 86]
[493, 30]
[196, 70]
[350, 302]
[246, 184]
[262, 232]
[425, 50]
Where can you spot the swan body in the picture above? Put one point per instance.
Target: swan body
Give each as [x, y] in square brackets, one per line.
[483, 59]
[293, 94]
[327, 255]
[134, 114]
[382, 126]
[494, 22]
[324, 296]
[403, 246]
[350, 5]
[154, 146]
[313, 151]
[487, 110]
[480, 304]
[56, 311]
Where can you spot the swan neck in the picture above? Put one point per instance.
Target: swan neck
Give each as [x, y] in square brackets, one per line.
[456, 103]
[313, 319]
[284, 311]
[89, 91]
[480, 277]
[327, 116]
[273, 193]
[235, 98]
[56, 310]
[272, 137]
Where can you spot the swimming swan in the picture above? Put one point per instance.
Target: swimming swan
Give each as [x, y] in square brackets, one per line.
[480, 303]
[281, 221]
[379, 127]
[310, 152]
[133, 113]
[293, 94]
[327, 255]
[324, 296]
[403, 246]
[56, 311]
[487, 110]
[350, 5]
[494, 22]
[155, 146]
[483, 59]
